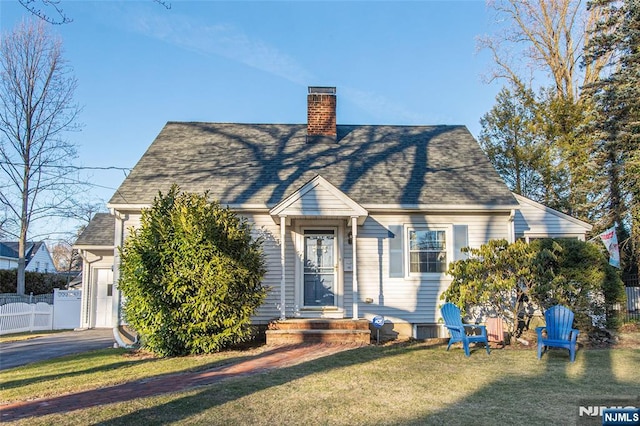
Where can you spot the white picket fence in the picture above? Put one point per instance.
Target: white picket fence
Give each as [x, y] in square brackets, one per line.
[19, 317]
[64, 313]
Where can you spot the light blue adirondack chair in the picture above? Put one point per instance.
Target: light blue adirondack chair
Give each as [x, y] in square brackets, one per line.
[559, 331]
[458, 330]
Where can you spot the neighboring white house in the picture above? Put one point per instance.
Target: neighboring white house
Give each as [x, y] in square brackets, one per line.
[358, 220]
[37, 257]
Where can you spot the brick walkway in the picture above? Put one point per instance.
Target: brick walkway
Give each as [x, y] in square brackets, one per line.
[277, 357]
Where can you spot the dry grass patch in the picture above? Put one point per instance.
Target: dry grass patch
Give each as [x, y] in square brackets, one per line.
[97, 369]
[406, 384]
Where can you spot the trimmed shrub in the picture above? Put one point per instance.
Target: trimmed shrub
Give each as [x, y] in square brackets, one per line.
[581, 278]
[511, 279]
[35, 282]
[191, 276]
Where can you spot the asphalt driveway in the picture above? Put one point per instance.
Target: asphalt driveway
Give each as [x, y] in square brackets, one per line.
[14, 354]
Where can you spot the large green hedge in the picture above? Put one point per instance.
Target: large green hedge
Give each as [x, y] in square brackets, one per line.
[580, 277]
[35, 282]
[513, 279]
[191, 276]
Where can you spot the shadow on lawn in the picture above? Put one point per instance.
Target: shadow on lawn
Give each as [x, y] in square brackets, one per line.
[11, 384]
[89, 357]
[558, 384]
[179, 382]
[209, 397]
[553, 396]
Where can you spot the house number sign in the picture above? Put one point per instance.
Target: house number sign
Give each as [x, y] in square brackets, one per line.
[378, 321]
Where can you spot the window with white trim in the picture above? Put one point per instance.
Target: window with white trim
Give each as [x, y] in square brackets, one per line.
[427, 250]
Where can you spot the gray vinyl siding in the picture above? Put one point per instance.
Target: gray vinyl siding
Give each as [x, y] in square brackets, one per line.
[539, 221]
[412, 299]
[131, 222]
[264, 226]
[404, 299]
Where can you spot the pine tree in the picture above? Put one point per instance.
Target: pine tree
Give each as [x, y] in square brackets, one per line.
[616, 122]
[511, 143]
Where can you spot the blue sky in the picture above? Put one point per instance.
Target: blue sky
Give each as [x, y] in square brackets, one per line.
[140, 65]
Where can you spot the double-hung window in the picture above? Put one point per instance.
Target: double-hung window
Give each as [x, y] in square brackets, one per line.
[427, 250]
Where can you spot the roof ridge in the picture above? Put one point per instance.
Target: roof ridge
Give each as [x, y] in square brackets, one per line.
[225, 123]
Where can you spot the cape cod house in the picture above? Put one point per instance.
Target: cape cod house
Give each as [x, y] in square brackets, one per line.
[36, 255]
[359, 220]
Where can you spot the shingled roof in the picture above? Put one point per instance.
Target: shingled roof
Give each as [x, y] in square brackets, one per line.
[99, 232]
[261, 164]
[10, 249]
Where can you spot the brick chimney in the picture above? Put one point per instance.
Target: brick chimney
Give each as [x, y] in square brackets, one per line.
[321, 115]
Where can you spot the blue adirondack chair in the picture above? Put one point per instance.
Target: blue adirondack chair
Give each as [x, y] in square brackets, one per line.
[458, 330]
[559, 331]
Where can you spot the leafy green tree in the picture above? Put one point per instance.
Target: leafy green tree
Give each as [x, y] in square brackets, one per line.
[537, 144]
[498, 275]
[191, 276]
[579, 276]
[513, 279]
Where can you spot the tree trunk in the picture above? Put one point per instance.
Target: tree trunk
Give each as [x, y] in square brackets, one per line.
[20, 285]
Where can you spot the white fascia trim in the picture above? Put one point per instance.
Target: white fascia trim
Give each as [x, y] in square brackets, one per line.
[127, 207]
[139, 207]
[453, 208]
[249, 207]
[554, 212]
[89, 248]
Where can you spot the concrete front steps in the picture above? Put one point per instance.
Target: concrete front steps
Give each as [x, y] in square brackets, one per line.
[296, 331]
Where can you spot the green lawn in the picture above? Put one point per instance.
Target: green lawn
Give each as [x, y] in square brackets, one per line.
[403, 384]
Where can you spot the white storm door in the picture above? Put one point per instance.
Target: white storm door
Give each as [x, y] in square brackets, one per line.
[104, 297]
[320, 268]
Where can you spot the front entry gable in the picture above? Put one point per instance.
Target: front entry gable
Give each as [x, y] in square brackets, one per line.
[319, 198]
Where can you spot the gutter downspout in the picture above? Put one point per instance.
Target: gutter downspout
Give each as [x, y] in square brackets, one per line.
[512, 226]
[117, 299]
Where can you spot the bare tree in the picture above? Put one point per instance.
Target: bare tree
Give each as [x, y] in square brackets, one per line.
[546, 38]
[65, 257]
[48, 10]
[51, 10]
[36, 90]
[550, 35]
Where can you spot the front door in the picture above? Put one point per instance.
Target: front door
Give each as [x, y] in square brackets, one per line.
[320, 268]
